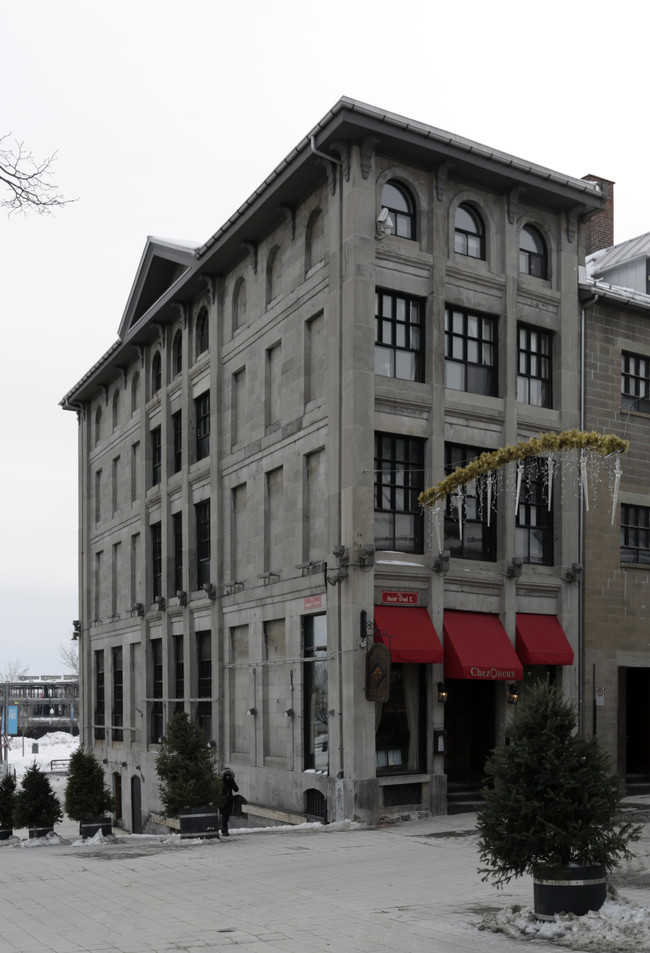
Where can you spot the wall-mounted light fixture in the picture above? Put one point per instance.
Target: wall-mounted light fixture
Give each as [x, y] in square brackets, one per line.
[252, 711]
[367, 554]
[289, 713]
[442, 693]
[574, 574]
[123, 764]
[160, 603]
[513, 693]
[441, 564]
[181, 595]
[76, 629]
[515, 568]
[137, 608]
[210, 590]
[385, 223]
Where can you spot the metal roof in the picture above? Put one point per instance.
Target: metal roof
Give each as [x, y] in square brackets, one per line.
[608, 258]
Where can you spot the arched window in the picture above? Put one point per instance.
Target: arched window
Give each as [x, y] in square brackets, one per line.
[399, 202]
[98, 425]
[202, 336]
[314, 240]
[177, 354]
[533, 256]
[239, 304]
[273, 275]
[116, 409]
[135, 392]
[156, 373]
[469, 232]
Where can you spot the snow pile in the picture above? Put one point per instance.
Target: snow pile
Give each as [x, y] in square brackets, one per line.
[618, 925]
[55, 746]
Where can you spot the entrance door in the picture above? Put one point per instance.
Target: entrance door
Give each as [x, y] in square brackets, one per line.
[136, 805]
[117, 794]
[471, 733]
[637, 721]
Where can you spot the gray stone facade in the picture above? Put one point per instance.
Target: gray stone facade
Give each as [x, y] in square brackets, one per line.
[281, 459]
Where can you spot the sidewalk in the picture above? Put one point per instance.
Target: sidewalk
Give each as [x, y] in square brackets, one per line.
[407, 888]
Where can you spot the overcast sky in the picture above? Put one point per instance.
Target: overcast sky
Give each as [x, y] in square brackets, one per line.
[166, 116]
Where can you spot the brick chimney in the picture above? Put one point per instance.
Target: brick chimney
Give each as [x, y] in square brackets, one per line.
[599, 229]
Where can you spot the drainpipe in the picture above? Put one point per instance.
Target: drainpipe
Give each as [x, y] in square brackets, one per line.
[581, 590]
[330, 158]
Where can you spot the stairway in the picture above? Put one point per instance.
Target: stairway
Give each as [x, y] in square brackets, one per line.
[463, 798]
[637, 784]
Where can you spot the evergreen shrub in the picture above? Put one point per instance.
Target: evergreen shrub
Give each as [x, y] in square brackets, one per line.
[186, 772]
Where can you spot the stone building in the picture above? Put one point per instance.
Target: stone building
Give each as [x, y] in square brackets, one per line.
[392, 300]
[616, 306]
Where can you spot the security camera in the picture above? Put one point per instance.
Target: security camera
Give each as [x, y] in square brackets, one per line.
[385, 223]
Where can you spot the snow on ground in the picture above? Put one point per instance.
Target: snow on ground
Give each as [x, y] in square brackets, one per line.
[622, 925]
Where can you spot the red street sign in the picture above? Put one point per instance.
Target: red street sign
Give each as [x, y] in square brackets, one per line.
[399, 598]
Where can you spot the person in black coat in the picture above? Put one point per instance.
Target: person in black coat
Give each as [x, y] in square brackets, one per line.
[228, 789]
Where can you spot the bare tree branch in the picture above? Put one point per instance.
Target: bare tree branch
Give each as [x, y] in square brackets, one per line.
[69, 655]
[12, 671]
[26, 180]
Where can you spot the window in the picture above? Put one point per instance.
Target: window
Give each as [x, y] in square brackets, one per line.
[202, 410]
[135, 392]
[156, 456]
[179, 673]
[469, 232]
[117, 717]
[534, 523]
[399, 480]
[467, 534]
[156, 373]
[534, 368]
[239, 304]
[315, 712]
[99, 714]
[202, 513]
[273, 385]
[470, 352]
[204, 674]
[177, 354]
[177, 429]
[635, 534]
[202, 332]
[400, 738]
[98, 425]
[399, 202]
[116, 409]
[273, 275]
[156, 560]
[533, 257]
[177, 524]
[157, 726]
[399, 336]
[635, 382]
[314, 240]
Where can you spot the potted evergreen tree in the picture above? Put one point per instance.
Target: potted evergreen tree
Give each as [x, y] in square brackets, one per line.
[7, 805]
[87, 799]
[189, 785]
[37, 806]
[553, 809]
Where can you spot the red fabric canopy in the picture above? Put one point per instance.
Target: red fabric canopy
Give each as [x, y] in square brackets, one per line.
[477, 646]
[408, 633]
[541, 640]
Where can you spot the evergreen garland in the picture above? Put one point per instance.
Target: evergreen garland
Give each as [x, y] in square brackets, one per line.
[86, 795]
[186, 772]
[555, 800]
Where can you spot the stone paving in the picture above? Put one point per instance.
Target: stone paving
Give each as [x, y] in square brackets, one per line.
[409, 887]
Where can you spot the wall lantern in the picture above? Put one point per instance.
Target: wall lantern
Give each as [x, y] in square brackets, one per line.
[442, 692]
[513, 693]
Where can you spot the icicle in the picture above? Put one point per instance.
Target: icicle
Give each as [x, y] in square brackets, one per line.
[583, 480]
[437, 510]
[550, 469]
[520, 474]
[617, 483]
[459, 507]
[490, 486]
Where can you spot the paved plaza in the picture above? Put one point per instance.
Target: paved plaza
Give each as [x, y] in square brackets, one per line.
[408, 887]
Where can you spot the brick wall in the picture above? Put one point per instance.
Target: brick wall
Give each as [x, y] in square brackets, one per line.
[599, 230]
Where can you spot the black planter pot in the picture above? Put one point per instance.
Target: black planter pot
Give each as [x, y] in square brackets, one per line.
[89, 827]
[568, 890]
[40, 831]
[6, 833]
[199, 822]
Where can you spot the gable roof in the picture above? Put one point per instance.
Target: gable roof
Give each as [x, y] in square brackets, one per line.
[609, 258]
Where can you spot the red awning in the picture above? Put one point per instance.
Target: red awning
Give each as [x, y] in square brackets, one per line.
[541, 640]
[477, 646]
[408, 633]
